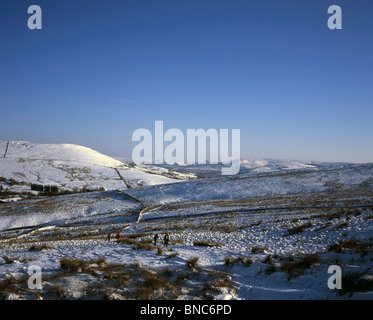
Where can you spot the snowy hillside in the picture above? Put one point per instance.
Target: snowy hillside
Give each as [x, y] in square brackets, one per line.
[70, 167]
[270, 232]
[66, 152]
[253, 166]
[259, 185]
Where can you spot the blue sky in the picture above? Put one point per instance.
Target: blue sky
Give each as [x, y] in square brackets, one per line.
[99, 70]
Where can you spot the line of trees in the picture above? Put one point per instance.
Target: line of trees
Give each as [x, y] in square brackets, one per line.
[53, 190]
[44, 188]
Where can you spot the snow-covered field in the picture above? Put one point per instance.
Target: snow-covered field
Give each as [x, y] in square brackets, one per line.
[270, 232]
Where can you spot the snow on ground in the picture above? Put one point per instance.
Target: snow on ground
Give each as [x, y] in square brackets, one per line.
[67, 209]
[263, 254]
[245, 185]
[139, 178]
[259, 254]
[70, 152]
[251, 166]
[270, 232]
[71, 167]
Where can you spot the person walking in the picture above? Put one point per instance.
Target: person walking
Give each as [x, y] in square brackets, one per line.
[166, 239]
[155, 239]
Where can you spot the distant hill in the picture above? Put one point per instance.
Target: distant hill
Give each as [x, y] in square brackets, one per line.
[72, 166]
[276, 183]
[253, 166]
[67, 152]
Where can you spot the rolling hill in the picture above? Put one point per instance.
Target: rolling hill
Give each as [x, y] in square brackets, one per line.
[72, 167]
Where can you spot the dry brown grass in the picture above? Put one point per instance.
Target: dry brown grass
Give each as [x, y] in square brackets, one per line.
[172, 255]
[208, 244]
[298, 229]
[296, 266]
[41, 247]
[230, 262]
[137, 244]
[138, 235]
[257, 249]
[118, 281]
[71, 265]
[192, 263]
[351, 244]
[356, 281]
[12, 284]
[216, 284]
[157, 286]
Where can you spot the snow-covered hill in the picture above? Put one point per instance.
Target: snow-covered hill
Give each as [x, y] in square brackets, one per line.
[253, 166]
[71, 167]
[259, 185]
[65, 152]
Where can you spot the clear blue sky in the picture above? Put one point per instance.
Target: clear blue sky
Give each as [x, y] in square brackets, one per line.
[98, 70]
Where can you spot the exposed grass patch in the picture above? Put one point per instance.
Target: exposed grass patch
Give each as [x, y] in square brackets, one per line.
[342, 225]
[137, 244]
[208, 244]
[230, 262]
[258, 249]
[192, 263]
[153, 287]
[138, 235]
[9, 260]
[270, 265]
[217, 285]
[41, 247]
[351, 244]
[254, 224]
[298, 229]
[356, 281]
[72, 265]
[12, 285]
[172, 255]
[160, 251]
[296, 266]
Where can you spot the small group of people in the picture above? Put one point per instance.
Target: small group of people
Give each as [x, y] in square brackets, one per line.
[109, 237]
[166, 239]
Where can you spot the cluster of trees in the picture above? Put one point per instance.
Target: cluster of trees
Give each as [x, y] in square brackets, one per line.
[53, 190]
[44, 188]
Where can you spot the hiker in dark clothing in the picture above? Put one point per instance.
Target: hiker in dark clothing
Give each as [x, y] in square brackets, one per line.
[166, 239]
[108, 237]
[155, 239]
